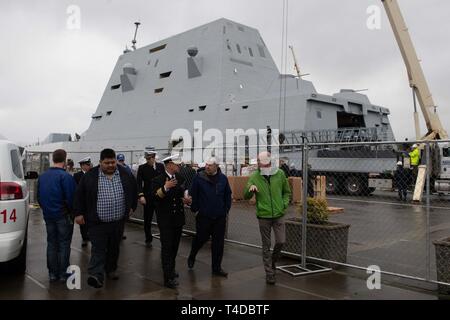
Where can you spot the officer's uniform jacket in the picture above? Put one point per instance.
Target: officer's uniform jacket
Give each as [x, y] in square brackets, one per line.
[169, 205]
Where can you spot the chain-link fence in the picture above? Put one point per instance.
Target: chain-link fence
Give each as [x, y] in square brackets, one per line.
[369, 203]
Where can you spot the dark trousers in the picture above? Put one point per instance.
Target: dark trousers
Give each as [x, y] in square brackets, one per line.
[149, 208]
[170, 239]
[214, 227]
[84, 232]
[402, 192]
[59, 238]
[105, 239]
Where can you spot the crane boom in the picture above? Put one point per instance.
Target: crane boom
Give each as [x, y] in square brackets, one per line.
[416, 76]
[297, 69]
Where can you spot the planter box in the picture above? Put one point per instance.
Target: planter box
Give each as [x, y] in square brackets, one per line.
[442, 248]
[327, 242]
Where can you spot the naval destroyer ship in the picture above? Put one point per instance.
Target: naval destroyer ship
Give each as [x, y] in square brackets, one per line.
[223, 75]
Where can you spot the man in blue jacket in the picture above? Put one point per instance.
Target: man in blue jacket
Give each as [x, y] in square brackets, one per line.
[56, 189]
[211, 197]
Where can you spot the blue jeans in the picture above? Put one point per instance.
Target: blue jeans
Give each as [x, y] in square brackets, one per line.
[59, 238]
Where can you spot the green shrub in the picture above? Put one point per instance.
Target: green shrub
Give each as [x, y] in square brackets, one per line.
[317, 210]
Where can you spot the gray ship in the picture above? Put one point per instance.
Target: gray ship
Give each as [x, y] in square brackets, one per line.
[223, 75]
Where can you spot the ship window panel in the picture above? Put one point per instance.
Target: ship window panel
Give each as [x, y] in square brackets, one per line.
[229, 45]
[156, 63]
[348, 120]
[191, 110]
[161, 47]
[224, 29]
[238, 47]
[227, 109]
[319, 114]
[108, 113]
[202, 108]
[241, 28]
[250, 51]
[261, 51]
[159, 90]
[446, 152]
[116, 86]
[165, 74]
[244, 107]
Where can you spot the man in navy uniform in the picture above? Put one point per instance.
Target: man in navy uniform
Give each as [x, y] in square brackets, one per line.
[85, 165]
[145, 174]
[169, 191]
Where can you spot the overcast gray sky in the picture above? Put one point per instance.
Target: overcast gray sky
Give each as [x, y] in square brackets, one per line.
[52, 78]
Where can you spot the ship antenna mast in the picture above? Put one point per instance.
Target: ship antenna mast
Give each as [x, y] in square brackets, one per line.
[135, 33]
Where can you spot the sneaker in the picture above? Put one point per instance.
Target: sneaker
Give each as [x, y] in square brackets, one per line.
[270, 279]
[94, 282]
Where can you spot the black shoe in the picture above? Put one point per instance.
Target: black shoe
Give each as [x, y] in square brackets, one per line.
[270, 279]
[191, 261]
[172, 284]
[148, 244]
[220, 273]
[53, 278]
[94, 282]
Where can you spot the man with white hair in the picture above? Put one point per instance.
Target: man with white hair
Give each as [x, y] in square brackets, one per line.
[211, 197]
[271, 189]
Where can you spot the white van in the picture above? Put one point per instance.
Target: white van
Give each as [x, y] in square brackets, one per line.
[14, 208]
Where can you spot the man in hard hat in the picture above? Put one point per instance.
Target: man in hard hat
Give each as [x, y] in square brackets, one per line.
[414, 156]
[401, 178]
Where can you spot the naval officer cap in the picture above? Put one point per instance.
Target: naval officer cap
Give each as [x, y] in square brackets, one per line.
[86, 160]
[176, 159]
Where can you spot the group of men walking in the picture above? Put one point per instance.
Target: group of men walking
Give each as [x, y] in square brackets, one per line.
[100, 200]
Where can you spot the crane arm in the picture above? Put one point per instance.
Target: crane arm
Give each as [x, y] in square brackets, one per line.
[416, 76]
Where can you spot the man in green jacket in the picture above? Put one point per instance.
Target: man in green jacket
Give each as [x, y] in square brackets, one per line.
[271, 189]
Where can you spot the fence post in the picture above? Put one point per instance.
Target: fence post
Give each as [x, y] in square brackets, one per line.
[304, 200]
[428, 244]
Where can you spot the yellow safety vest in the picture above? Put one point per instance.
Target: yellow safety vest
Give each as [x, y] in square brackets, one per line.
[415, 157]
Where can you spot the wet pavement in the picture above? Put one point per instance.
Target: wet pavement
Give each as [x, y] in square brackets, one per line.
[141, 275]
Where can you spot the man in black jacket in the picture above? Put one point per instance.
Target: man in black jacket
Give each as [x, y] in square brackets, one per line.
[85, 165]
[169, 191]
[105, 196]
[145, 174]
